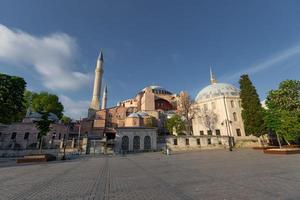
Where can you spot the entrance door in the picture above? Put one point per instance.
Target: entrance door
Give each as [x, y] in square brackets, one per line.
[147, 143]
[125, 143]
[136, 143]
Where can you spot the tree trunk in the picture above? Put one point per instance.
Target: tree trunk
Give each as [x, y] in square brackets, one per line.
[262, 140]
[287, 141]
[188, 128]
[278, 139]
[41, 145]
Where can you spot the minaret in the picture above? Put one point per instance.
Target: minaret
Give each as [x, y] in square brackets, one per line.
[212, 77]
[104, 98]
[95, 103]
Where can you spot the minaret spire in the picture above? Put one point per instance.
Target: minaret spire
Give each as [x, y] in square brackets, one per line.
[212, 76]
[104, 98]
[95, 103]
[100, 57]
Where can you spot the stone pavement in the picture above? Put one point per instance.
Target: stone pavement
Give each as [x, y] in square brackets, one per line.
[215, 174]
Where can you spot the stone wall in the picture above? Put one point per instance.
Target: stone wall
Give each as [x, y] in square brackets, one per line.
[188, 143]
[134, 139]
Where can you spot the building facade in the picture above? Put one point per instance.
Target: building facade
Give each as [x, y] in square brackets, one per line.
[218, 111]
[24, 135]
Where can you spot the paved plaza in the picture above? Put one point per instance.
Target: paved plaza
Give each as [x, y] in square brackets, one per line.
[215, 174]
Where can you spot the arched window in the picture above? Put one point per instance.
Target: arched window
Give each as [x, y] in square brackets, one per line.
[136, 143]
[232, 103]
[13, 136]
[147, 143]
[26, 136]
[125, 143]
[234, 116]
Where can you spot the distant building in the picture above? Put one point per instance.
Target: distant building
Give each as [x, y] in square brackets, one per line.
[24, 135]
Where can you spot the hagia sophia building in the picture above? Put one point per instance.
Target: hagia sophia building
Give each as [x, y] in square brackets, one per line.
[138, 124]
[156, 103]
[150, 105]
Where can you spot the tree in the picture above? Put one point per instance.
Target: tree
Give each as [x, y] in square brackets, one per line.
[252, 112]
[150, 121]
[283, 115]
[66, 120]
[208, 118]
[175, 122]
[286, 97]
[284, 123]
[12, 106]
[186, 110]
[43, 126]
[45, 102]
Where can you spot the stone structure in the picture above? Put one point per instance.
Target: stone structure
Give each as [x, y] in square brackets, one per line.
[149, 107]
[218, 108]
[24, 135]
[95, 103]
[135, 139]
[190, 143]
[104, 99]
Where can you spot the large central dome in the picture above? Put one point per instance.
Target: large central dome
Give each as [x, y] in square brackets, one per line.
[157, 89]
[217, 90]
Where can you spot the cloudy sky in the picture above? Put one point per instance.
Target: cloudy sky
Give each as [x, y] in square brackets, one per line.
[54, 45]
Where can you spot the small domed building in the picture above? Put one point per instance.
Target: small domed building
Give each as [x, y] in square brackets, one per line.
[218, 108]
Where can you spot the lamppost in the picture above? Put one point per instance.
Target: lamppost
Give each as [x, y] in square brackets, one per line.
[227, 124]
[65, 142]
[78, 142]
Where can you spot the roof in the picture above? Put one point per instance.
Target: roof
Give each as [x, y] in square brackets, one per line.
[157, 89]
[134, 115]
[217, 90]
[37, 116]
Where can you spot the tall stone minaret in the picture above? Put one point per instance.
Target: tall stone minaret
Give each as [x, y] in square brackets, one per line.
[95, 103]
[212, 77]
[104, 98]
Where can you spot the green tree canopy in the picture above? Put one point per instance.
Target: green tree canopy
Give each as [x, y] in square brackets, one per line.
[12, 106]
[177, 122]
[283, 115]
[66, 120]
[286, 97]
[150, 121]
[252, 112]
[45, 102]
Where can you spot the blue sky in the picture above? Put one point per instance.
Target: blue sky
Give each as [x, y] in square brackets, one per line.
[54, 45]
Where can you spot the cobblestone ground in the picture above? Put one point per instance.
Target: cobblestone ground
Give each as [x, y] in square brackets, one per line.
[218, 174]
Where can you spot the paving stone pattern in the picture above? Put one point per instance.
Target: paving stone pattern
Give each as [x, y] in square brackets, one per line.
[216, 174]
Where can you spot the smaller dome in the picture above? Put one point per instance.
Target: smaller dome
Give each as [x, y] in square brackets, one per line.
[134, 115]
[217, 90]
[142, 114]
[36, 116]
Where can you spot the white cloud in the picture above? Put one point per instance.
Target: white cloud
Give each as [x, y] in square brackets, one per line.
[52, 57]
[74, 109]
[270, 62]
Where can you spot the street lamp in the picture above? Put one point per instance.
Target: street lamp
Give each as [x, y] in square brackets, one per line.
[78, 142]
[227, 123]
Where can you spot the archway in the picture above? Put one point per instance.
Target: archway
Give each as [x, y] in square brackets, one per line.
[147, 143]
[136, 143]
[125, 143]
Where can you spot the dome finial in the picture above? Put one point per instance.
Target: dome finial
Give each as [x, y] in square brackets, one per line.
[212, 76]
